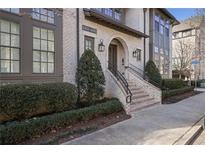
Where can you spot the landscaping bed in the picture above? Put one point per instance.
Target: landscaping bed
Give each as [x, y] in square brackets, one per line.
[179, 97]
[60, 136]
[16, 132]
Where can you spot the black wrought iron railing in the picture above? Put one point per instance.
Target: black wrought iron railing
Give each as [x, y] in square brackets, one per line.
[141, 73]
[119, 76]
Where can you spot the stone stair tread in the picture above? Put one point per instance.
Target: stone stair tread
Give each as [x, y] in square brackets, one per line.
[139, 95]
[141, 99]
[140, 106]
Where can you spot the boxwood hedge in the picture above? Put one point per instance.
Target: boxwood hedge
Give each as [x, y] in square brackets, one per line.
[172, 84]
[15, 132]
[20, 101]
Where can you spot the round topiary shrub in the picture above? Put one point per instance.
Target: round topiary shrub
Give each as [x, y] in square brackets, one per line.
[152, 72]
[90, 77]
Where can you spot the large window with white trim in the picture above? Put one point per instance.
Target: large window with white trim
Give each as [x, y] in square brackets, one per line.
[9, 47]
[12, 10]
[45, 15]
[43, 50]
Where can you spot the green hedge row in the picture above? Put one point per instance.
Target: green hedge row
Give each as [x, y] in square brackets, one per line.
[172, 83]
[169, 93]
[21, 101]
[15, 132]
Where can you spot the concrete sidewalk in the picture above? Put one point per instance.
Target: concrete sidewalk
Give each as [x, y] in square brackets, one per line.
[159, 124]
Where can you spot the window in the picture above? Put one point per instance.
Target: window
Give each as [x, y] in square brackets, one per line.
[109, 12]
[138, 55]
[43, 50]
[89, 43]
[9, 47]
[12, 10]
[45, 15]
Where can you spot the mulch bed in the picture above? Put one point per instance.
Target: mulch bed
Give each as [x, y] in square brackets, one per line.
[177, 98]
[76, 130]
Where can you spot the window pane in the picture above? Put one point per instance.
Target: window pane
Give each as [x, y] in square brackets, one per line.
[43, 45]
[5, 66]
[44, 34]
[5, 39]
[50, 13]
[36, 55]
[44, 56]
[14, 54]
[36, 15]
[14, 40]
[15, 10]
[50, 46]
[36, 32]
[14, 28]
[50, 35]
[36, 44]
[36, 67]
[15, 66]
[43, 67]
[50, 57]
[50, 67]
[43, 18]
[44, 11]
[5, 26]
[51, 20]
[5, 53]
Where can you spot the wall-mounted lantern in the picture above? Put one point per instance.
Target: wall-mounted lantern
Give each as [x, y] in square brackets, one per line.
[101, 46]
[134, 54]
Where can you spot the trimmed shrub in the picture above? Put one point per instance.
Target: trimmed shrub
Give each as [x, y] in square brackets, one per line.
[15, 132]
[22, 101]
[90, 77]
[172, 83]
[152, 72]
[169, 93]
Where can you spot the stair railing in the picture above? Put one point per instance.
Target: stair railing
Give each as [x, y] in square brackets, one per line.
[119, 76]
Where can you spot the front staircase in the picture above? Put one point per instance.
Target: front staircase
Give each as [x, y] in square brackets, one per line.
[140, 98]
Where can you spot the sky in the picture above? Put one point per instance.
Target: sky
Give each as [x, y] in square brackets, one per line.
[182, 13]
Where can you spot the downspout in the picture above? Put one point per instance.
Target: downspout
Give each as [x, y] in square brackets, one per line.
[78, 52]
[144, 13]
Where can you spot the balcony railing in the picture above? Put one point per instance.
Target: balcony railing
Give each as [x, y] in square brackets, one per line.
[115, 14]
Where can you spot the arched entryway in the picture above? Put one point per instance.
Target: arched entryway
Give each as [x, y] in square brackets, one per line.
[117, 55]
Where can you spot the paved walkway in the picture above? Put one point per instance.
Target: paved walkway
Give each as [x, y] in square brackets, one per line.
[159, 124]
[200, 140]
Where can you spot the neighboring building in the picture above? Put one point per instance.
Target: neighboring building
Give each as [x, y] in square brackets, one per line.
[190, 34]
[161, 22]
[123, 40]
[30, 45]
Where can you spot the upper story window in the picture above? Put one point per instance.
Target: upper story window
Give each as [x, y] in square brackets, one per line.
[45, 15]
[12, 10]
[115, 13]
[43, 50]
[9, 47]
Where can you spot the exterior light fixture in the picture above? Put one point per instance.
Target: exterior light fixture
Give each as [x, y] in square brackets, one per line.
[101, 46]
[134, 53]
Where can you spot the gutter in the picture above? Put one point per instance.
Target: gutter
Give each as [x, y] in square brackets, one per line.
[78, 51]
[144, 12]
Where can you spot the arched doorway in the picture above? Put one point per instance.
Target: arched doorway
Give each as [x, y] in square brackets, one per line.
[117, 56]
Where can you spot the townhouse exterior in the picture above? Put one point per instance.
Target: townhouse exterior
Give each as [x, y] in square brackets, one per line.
[123, 40]
[31, 45]
[190, 34]
[45, 45]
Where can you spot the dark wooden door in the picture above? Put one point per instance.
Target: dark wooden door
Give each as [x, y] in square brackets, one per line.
[112, 62]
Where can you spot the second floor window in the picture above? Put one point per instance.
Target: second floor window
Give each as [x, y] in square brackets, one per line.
[9, 47]
[45, 15]
[12, 10]
[43, 50]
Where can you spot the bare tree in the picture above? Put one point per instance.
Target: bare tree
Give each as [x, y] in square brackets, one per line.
[183, 57]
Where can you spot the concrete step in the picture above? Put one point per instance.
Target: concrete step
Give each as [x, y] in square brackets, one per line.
[137, 92]
[192, 134]
[136, 107]
[141, 100]
[139, 95]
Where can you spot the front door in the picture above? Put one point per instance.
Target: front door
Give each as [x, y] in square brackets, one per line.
[112, 61]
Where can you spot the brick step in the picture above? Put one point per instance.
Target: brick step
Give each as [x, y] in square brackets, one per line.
[136, 107]
[139, 95]
[141, 100]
